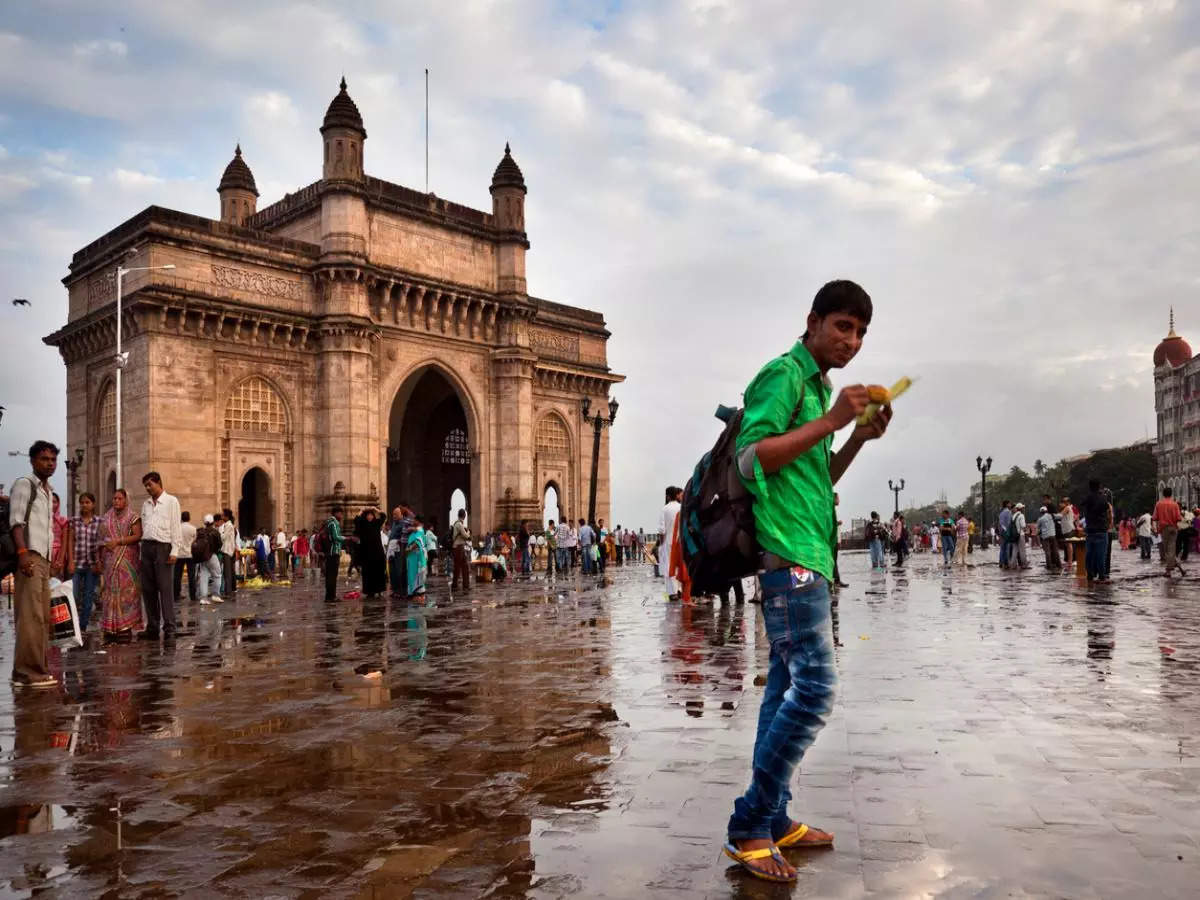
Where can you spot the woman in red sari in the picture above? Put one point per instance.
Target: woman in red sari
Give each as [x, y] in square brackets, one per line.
[121, 589]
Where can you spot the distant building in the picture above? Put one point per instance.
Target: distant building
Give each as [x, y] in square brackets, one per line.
[1177, 402]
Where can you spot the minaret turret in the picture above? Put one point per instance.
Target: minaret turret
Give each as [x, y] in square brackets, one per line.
[508, 218]
[239, 194]
[343, 135]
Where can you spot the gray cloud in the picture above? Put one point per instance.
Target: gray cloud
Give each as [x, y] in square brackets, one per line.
[1011, 182]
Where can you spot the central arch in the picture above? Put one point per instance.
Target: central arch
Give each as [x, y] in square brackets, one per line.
[255, 510]
[431, 441]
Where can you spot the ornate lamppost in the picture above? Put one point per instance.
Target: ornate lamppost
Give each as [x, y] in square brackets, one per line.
[984, 466]
[896, 489]
[598, 421]
[73, 465]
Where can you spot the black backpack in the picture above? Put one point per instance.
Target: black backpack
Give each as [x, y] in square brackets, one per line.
[716, 515]
[202, 545]
[8, 547]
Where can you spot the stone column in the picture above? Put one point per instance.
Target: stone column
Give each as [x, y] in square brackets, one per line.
[513, 472]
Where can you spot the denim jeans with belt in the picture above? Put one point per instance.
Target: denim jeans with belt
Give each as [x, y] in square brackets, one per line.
[85, 581]
[1096, 550]
[799, 695]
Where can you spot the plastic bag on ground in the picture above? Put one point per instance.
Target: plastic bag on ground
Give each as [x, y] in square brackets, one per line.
[64, 618]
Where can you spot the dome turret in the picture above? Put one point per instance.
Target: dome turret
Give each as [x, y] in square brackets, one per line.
[238, 192]
[343, 135]
[343, 112]
[1172, 350]
[508, 173]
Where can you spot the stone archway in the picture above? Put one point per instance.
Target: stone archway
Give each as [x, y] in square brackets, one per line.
[552, 502]
[255, 510]
[431, 441]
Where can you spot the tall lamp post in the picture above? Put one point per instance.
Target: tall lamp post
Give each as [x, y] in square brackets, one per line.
[123, 358]
[73, 464]
[984, 466]
[598, 422]
[896, 489]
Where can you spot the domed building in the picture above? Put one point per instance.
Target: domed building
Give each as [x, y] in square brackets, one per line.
[356, 342]
[1177, 402]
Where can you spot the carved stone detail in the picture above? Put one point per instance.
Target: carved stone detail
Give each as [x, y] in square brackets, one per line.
[257, 283]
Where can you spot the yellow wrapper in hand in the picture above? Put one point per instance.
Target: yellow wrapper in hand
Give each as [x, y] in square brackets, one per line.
[896, 390]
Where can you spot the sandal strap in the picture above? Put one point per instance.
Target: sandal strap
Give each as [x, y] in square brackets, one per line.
[800, 832]
[750, 855]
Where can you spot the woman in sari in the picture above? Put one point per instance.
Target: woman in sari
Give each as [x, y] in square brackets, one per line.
[63, 542]
[415, 559]
[121, 591]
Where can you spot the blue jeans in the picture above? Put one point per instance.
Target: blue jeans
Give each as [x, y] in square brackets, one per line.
[563, 559]
[800, 685]
[586, 550]
[83, 587]
[876, 554]
[947, 548]
[1004, 545]
[1096, 550]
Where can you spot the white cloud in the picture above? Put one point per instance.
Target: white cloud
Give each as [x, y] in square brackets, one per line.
[101, 48]
[130, 179]
[272, 106]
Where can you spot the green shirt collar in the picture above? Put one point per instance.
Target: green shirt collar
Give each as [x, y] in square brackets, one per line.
[808, 365]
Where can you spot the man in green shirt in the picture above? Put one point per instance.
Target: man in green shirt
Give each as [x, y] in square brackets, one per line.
[333, 557]
[785, 457]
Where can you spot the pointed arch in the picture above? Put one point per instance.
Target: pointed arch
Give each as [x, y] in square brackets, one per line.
[106, 411]
[552, 437]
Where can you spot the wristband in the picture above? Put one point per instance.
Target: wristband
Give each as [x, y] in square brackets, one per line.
[21, 550]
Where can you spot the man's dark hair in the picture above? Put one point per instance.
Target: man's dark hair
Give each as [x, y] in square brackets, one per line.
[1167, 492]
[462, 513]
[88, 495]
[335, 510]
[843, 297]
[185, 516]
[227, 513]
[1093, 484]
[39, 446]
[152, 476]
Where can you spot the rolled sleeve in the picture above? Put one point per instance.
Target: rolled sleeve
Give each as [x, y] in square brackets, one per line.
[770, 400]
[18, 502]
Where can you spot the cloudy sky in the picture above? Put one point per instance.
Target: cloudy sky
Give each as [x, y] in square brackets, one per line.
[1012, 182]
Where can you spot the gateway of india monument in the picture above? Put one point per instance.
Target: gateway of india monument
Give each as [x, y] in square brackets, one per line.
[355, 343]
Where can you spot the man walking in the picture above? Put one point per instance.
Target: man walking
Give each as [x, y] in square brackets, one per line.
[162, 535]
[205, 554]
[229, 551]
[1018, 533]
[1046, 533]
[1003, 523]
[785, 460]
[460, 546]
[874, 537]
[30, 520]
[587, 537]
[1145, 534]
[1095, 513]
[184, 562]
[333, 553]
[666, 537]
[1168, 516]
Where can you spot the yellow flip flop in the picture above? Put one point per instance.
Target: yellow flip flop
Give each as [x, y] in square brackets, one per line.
[746, 859]
[795, 838]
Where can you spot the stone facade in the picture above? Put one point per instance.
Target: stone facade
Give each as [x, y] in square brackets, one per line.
[356, 342]
[1177, 403]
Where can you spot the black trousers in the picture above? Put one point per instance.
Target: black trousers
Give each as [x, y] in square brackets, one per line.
[228, 576]
[332, 562]
[190, 566]
[158, 587]
[1183, 542]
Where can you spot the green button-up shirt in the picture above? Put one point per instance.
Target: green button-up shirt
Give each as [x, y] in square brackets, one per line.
[793, 508]
[336, 539]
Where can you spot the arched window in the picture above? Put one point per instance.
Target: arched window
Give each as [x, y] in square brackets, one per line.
[454, 448]
[106, 413]
[255, 406]
[552, 436]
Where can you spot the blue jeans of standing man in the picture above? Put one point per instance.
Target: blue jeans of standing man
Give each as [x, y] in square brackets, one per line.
[799, 695]
[876, 554]
[83, 587]
[947, 548]
[1004, 548]
[1095, 552]
[586, 550]
[562, 559]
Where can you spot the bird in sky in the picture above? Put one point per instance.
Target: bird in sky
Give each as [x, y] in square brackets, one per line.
[21, 301]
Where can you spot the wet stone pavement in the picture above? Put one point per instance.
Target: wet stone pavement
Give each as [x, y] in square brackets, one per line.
[996, 734]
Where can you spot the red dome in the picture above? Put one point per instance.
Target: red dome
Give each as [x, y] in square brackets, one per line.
[1173, 350]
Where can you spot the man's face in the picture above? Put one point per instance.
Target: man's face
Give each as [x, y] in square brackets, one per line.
[836, 339]
[153, 488]
[44, 464]
[86, 506]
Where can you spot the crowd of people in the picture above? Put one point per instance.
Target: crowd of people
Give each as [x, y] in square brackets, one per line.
[1063, 531]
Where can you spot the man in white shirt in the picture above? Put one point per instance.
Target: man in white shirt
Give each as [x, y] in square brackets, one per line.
[229, 549]
[184, 559]
[1019, 555]
[666, 528]
[30, 514]
[562, 544]
[281, 553]
[1145, 534]
[162, 535]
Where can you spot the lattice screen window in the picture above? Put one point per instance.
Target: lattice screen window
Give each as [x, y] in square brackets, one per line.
[107, 424]
[552, 437]
[454, 449]
[255, 406]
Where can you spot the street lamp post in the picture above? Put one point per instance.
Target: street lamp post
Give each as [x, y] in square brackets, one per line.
[984, 467]
[598, 422]
[121, 357]
[896, 489]
[73, 464]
